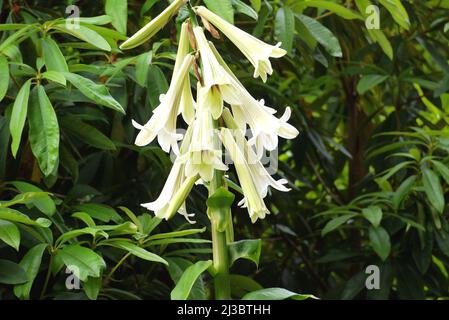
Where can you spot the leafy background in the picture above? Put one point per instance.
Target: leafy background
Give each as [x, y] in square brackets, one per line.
[369, 173]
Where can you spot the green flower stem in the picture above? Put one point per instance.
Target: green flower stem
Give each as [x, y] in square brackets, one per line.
[219, 238]
[219, 248]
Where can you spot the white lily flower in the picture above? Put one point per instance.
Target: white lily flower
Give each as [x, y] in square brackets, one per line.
[204, 156]
[255, 50]
[215, 77]
[175, 191]
[153, 27]
[163, 122]
[253, 177]
[187, 103]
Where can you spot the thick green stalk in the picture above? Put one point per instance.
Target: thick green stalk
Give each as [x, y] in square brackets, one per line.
[219, 247]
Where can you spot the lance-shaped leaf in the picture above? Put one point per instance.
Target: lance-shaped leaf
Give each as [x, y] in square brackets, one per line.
[4, 79]
[53, 57]
[44, 130]
[83, 262]
[98, 93]
[18, 116]
[10, 234]
[12, 273]
[188, 279]
[276, 294]
[245, 249]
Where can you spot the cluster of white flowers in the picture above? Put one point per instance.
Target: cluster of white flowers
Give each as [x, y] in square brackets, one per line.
[218, 93]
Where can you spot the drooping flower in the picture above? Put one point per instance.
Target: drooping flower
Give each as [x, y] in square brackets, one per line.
[204, 155]
[255, 50]
[253, 177]
[215, 77]
[187, 103]
[176, 189]
[163, 122]
[153, 27]
[265, 127]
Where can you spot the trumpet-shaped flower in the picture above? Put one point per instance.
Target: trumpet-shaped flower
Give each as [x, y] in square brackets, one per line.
[253, 177]
[176, 189]
[215, 77]
[265, 127]
[153, 27]
[187, 103]
[163, 122]
[255, 50]
[204, 156]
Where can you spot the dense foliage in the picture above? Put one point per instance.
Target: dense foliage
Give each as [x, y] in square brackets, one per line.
[369, 172]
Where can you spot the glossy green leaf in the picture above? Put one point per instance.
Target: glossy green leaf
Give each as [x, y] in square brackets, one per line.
[368, 82]
[245, 249]
[99, 211]
[53, 57]
[403, 190]
[84, 33]
[433, 189]
[442, 170]
[373, 214]
[142, 65]
[44, 130]
[398, 12]
[276, 294]
[223, 8]
[83, 262]
[176, 267]
[18, 116]
[16, 216]
[10, 234]
[285, 28]
[55, 76]
[43, 202]
[243, 8]
[118, 11]
[336, 8]
[4, 80]
[30, 263]
[136, 251]
[98, 93]
[187, 280]
[322, 34]
[92, 287]
[335, 223]
[12, 273]
[380, 242]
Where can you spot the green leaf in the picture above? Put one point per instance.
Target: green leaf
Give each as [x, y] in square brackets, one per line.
[84, 33]
[4, 80]
[44, 130]
[118, 11]
[187, 280]
[78, 232]
[403, 190]
[98, 93]
[373, 214]
[322, 34]
[99, 211]
[367, 82]
[55, 77]
[336, 8]
[223, 8]
[12, 273]
[245, 249]
[398, 12]
[142, 65]
[380, 242]
[442, 169]
[241, 285]
[285, 28]
[18, 116]
[92, 287]
[10, 234]
[243, 8]
[433, 190]
[82, 261]
[256, 4]
[44, 203]
[176, 267]
[53, 57]
[135, 250]
[30, 264]
[16, 216]
[86, 133]
[335, 223]
[158, 85]
[276, 294]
